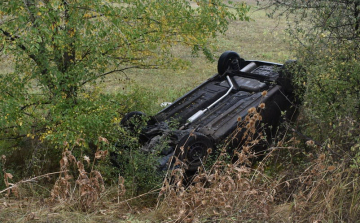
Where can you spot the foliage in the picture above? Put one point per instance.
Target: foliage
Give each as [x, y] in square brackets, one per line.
[61, 54]
[338, 20]
[138, 167]
[326, 37]
[139, 170]
[60, 49]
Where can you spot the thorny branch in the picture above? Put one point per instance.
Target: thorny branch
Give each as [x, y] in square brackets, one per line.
[113, 71]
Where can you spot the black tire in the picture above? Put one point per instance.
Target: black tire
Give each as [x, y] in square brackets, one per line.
[229, 59]
[132, 120]
[193, 150]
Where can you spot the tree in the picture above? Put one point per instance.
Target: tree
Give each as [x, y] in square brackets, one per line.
[66, 44]
[57, 48]
[338, 20]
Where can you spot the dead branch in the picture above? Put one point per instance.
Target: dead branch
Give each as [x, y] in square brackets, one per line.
[29, 180]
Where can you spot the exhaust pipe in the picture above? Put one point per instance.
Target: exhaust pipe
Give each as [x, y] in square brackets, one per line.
[251, 66]
[201, 112]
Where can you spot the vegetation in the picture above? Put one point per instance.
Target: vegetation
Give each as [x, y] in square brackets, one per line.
[326, 36]
[327, 46]
[60, 50]
[310, 173]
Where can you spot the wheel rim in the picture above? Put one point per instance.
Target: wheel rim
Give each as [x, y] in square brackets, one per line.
[196, 146]
[196, 152]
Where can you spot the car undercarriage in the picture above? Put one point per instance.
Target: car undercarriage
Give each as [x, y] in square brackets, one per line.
[205, 117]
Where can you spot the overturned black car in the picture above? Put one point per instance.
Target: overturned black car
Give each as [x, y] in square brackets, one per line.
[207, 115]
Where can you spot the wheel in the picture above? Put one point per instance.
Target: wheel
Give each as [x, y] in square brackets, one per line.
[132, 120]
[229, 59]
[193, 150]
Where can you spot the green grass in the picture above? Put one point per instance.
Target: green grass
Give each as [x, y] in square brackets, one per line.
[260, 39]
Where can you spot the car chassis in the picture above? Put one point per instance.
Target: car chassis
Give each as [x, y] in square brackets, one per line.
[207, 115]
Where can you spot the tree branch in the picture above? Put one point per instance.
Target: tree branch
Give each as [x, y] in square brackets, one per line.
[36, 103]
[29, 180]
[107, 73]
[119, 70]
[21, 46]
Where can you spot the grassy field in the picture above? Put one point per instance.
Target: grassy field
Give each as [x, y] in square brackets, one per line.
[259, 39]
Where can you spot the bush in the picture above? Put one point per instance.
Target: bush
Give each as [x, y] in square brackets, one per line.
[326, 38]
[33, 141]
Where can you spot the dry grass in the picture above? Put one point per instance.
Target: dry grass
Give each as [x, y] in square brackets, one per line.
[320, 188]
[225, 191]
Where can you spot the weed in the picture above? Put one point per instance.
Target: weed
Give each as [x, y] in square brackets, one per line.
[90, 184]
[12, 188]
